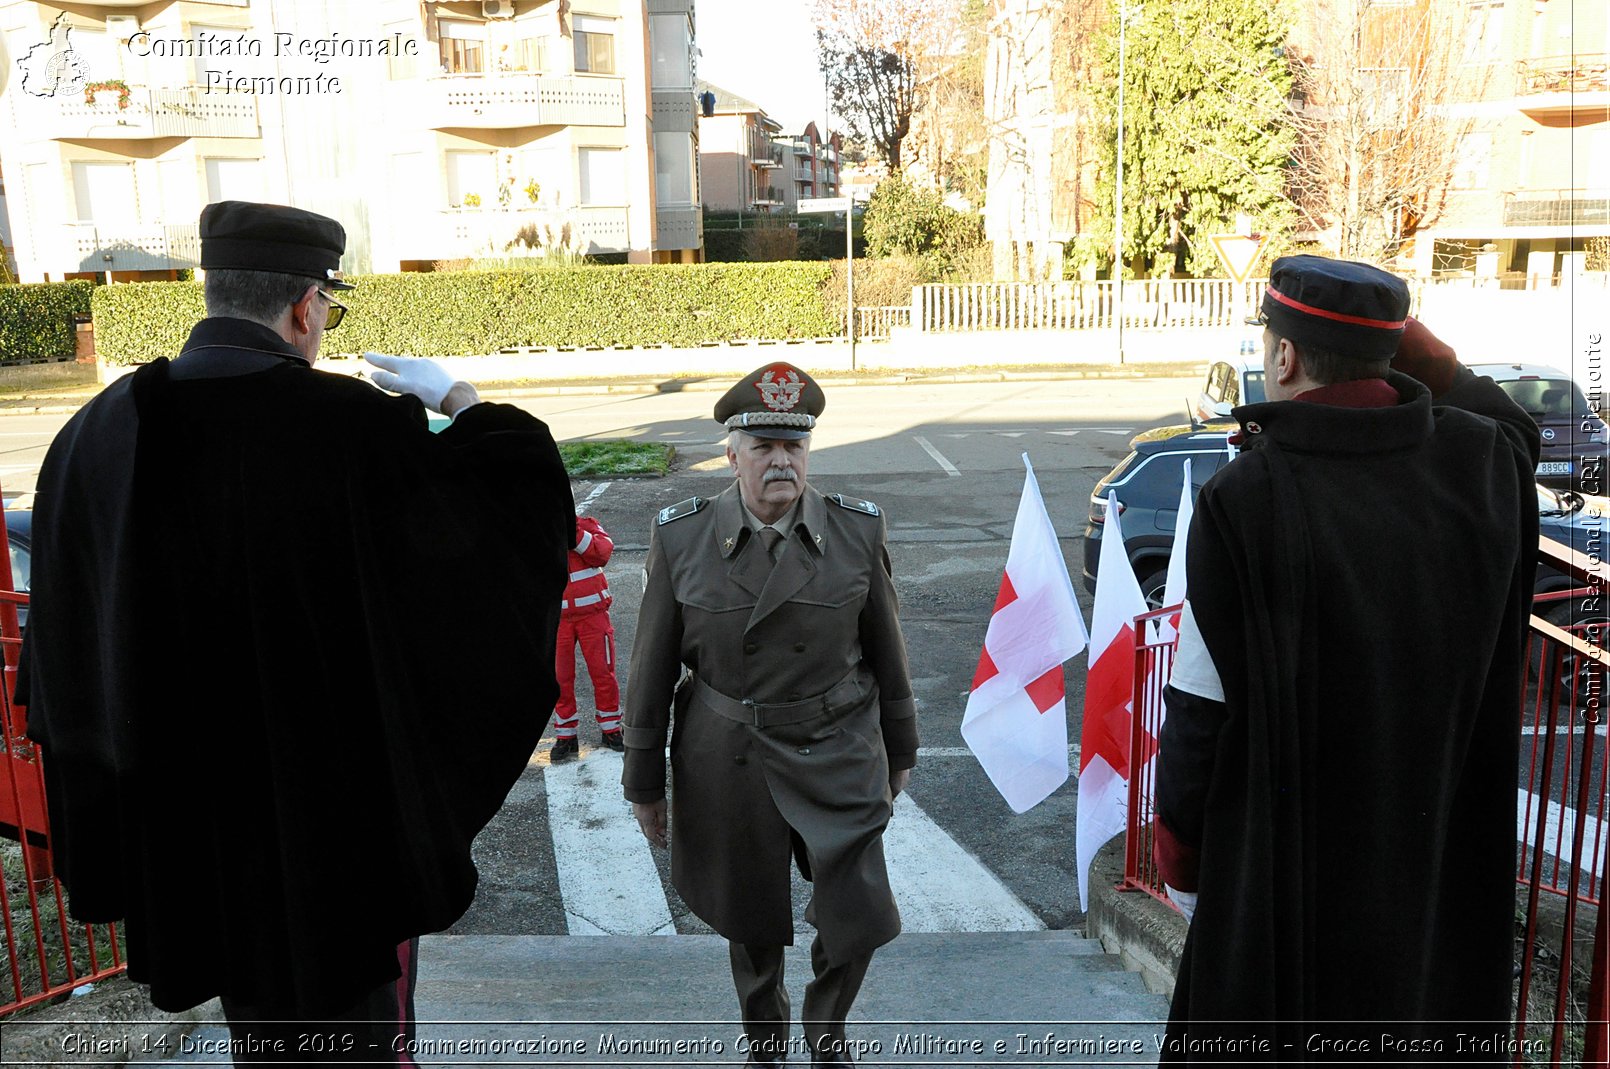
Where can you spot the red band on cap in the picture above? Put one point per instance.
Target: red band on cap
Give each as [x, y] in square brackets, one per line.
[1360, 321]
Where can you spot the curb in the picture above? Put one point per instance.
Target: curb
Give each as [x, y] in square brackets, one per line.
[1147, 936]
[113, 1024]
[56, 404]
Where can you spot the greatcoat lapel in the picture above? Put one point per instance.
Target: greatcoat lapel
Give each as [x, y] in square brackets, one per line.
[796, 562]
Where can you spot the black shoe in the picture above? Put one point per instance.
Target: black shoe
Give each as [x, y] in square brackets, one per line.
[611, 740]
[564, 749]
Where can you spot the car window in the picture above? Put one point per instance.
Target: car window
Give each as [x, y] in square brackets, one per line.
[1547, 399]
[1215, 382]
[1252, 388]
[19, 567]
[1156, 482]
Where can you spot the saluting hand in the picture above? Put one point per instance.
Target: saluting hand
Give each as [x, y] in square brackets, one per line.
[651, 818]
[425, 379]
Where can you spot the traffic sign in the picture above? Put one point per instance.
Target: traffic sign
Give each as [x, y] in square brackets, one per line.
[824, 204]
[1238, 252]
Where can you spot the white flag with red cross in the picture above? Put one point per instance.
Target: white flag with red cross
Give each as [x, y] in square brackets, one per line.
[1109, 698]
[1016, 722]
[1174, 588]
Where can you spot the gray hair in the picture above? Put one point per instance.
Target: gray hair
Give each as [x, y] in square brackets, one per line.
[260, 296]
[736, 436]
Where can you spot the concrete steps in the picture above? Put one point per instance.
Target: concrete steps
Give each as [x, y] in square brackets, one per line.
[929, 999]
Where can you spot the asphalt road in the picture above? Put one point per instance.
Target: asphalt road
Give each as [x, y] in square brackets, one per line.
[945, 463]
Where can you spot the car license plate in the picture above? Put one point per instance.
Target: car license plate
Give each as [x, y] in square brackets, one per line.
[1554, 467]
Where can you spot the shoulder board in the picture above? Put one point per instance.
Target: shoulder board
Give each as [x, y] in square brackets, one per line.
[854, 504]
[679, 510]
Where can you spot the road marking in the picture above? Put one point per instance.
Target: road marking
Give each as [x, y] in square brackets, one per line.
[940, 887]
[950, 469]
[607, 878]
[1559, 830]
[962, 751]
[598, 491]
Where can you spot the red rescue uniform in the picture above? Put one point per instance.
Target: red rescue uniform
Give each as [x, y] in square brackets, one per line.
[584, 621]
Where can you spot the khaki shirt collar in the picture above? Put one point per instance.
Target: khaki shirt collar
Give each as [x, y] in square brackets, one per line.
[735, 524]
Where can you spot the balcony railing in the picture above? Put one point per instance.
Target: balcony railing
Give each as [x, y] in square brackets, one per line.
[509, 101]
[125, 247]
[767, 195]
[678, 227]
[183, 112]
[763, 152]
[461, 232]
[1557, 207]
[1584, 72]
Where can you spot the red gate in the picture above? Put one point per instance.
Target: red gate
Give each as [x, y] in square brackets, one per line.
[44, 954]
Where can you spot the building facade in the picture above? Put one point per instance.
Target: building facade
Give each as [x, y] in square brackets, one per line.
[1531, 185]
[433, 131]
[811, 164]
[741, 158]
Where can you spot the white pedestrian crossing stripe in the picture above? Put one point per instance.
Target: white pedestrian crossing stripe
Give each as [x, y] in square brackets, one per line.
[611, 886]
[607, 876]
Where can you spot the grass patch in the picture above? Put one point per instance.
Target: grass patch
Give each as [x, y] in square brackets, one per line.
[616, 456]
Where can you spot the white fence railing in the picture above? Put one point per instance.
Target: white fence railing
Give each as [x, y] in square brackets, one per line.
[878, 321]
[1147, 303]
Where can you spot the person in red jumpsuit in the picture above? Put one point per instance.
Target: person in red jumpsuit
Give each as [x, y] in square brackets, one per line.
[584, 622]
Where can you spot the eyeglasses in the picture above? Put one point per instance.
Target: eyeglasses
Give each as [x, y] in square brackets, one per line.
[336, 314]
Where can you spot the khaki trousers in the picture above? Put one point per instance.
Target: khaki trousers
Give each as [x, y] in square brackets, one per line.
[757, 973]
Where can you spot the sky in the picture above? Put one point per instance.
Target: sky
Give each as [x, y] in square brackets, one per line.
[765, 51]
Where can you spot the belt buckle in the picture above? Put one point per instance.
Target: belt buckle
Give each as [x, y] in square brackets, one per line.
[754, 709]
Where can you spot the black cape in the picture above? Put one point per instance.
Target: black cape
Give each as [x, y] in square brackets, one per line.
[287, 652]
[1362, 580]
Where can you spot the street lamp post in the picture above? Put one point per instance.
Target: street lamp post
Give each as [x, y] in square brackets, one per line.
[1118, 193]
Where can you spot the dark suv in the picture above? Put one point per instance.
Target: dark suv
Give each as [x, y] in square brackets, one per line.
[1574, 437]
[1147, 482]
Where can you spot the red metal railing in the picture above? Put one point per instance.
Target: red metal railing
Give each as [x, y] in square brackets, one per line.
[1563, 809]
[43, 954]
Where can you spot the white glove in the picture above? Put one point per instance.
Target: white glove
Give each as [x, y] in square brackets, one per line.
[1185, 900]
[425, 379]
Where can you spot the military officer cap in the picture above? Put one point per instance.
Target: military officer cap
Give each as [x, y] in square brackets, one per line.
[775, 401]
[1349, 308]
[237, 235]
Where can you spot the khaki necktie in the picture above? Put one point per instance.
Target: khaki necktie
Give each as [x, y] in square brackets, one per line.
[769, 537]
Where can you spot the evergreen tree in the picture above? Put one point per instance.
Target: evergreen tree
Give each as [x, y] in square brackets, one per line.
[1206, 135]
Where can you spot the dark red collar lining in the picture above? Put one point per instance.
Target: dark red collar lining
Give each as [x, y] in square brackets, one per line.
[1360, 393]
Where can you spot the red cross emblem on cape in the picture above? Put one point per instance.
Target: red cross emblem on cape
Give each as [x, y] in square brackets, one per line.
[780, 387]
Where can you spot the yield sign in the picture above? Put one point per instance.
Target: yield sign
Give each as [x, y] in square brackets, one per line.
[1238, 252]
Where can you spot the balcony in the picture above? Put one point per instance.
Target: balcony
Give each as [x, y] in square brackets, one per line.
[767, 195]
[1557, 208]
[764, 153]
[466, 232]
[151, 113]
[125, 247]
[506, 102]
[678, 227]
[1560, 85]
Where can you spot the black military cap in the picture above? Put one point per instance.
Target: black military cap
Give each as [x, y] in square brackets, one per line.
[775, 401]
[238, 235]
[1350, 308]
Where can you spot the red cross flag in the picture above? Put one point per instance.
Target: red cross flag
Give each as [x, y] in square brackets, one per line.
[1109, 697]
[1016, 722]
[1174, 587]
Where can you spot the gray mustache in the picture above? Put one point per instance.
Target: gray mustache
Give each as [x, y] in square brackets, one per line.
[774, 474]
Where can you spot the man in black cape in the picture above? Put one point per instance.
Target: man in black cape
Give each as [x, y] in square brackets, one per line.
[1336, 774]
[288, 651]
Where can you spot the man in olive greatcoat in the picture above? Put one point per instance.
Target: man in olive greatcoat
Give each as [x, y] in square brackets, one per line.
[794, 726]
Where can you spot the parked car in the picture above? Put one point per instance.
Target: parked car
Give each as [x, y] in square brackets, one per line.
[1574, 437]
[1229, 383]
[1147, 482]
[19, 537]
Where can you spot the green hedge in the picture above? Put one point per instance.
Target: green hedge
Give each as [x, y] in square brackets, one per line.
[465, 313]
[36, 319]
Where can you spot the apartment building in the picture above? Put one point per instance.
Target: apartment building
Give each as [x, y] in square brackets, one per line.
[811, 163]
[433, 131]
[1532, 184]
[740, 156]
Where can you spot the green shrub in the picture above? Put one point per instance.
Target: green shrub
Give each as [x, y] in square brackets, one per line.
[36, 319]
[465, 313]
[903, 219]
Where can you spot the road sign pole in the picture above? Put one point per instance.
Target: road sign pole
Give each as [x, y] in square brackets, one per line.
[849, 279]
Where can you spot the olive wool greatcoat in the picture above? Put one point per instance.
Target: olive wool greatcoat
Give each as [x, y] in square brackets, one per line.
[795, 707]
